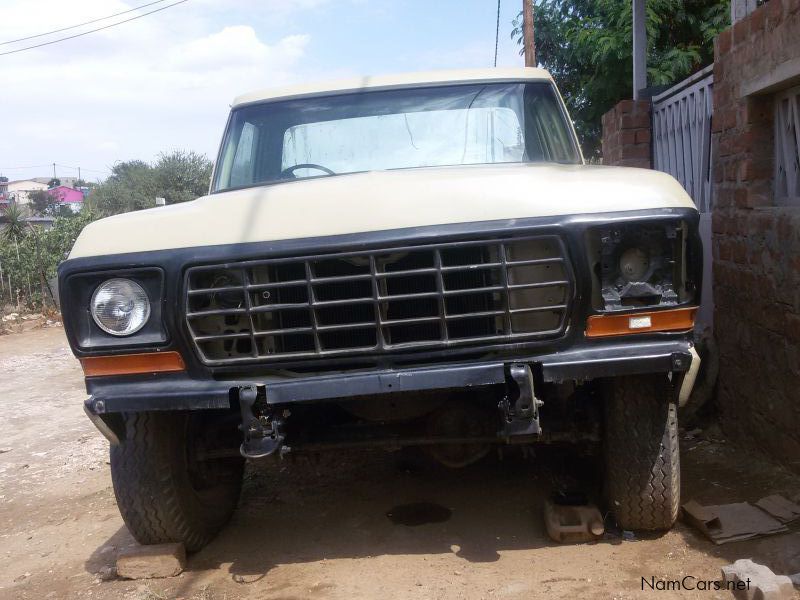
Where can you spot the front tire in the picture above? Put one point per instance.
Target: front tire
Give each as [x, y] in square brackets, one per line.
[165, 493]
[642, 458]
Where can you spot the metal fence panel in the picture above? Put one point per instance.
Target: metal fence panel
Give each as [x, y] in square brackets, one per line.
[682, 135]
[682, 147]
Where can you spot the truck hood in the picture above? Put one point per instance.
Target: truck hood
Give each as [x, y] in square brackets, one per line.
[382, 200]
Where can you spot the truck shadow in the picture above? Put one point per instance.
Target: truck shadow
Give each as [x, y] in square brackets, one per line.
[363, 504]
[370, 503]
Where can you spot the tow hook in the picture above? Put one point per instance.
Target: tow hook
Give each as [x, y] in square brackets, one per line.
[263, 435]
[520, 407]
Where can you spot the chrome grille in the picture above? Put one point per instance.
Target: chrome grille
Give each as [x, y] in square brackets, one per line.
[380, 301]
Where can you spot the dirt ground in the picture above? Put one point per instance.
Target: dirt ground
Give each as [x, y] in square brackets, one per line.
[319, 529]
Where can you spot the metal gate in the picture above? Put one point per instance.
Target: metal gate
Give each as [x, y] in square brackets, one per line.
[682, 147]
[682, 134]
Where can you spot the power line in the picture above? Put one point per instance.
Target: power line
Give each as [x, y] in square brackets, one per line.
[38, 35]
[22, 168]
[81, 168]
[497, 33]
[48, 165]
[70, 37]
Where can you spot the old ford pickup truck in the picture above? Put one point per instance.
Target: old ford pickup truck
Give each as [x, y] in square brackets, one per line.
[418, 260]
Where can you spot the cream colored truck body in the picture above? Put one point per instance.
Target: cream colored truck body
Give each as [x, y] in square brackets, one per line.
[382, 200]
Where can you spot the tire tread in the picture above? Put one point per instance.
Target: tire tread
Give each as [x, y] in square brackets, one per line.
[642, 453]
[151, 489]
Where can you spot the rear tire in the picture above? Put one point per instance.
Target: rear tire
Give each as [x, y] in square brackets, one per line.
[164, 493]
[642, 459]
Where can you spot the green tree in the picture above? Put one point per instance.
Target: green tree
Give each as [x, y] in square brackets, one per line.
[133, 185]
[182, 176]
[587, 47]
[42, 203]
[54, 182]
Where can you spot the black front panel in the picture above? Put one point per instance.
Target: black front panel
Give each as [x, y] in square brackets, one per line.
[385, 300]
[574, 233]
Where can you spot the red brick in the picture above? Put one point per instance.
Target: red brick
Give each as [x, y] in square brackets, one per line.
[785, 228]
[757, 199]
[643, 136]
[755, 112]
[774, 12]
[739, 249]
[625, 106]
[793, 327]
[722, 222]
[628, 137]
[640, 163]
[752, 169]
[761, 222]
[719, 70]
[725, 253]
[741, 31]
[757, 21]
[723, 43]
[725, 145]
[724, 118]
[638, 151]
[718, 172]
[755, 141]
[724, 198]
[732, 171]
[791, 6]
[716, 124]
[740, 197]
[635, 121]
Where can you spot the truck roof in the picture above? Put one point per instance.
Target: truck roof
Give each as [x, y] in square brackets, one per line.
[402, 80]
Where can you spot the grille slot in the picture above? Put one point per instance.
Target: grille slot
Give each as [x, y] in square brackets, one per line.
[379, 301]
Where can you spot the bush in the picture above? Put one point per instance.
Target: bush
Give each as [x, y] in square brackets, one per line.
[29, 261]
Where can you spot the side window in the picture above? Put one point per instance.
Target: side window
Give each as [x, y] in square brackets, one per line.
[244, 158]
[550, 126]
[787, 147]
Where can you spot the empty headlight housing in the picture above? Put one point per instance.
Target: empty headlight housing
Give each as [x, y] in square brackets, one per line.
[120, 307]
[642, 265]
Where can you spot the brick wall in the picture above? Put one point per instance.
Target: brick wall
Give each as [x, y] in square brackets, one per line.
[626, 134]
[756, 243]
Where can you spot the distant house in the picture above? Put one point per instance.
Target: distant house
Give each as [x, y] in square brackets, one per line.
[40, 222]
[67, 196]
[20, 191]
[4, 200]
[67, 181]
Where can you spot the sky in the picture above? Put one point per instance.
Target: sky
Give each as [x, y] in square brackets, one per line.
[165, 82]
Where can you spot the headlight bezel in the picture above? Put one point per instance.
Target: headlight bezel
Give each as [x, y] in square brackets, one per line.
[668, 282]
[77, 292]
[98, 319]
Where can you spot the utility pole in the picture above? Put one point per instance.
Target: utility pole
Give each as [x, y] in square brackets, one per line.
[639, 48]
[54, 171]
[79, 175]
[527, 33]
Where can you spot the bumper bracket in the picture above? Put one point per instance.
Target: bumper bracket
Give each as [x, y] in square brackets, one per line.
[520, 408]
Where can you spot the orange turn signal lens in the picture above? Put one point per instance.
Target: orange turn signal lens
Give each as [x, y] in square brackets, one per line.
[678, 319]
[132, 364]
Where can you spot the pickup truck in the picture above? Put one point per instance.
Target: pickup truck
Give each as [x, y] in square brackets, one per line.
[416, 260]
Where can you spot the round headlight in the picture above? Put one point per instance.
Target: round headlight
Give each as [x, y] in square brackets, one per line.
[120, 307]
[634, 264]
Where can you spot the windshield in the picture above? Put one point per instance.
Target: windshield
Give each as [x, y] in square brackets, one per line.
[397, 129]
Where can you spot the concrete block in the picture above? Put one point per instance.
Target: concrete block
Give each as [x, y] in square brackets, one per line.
[756, 582]
[150, 562]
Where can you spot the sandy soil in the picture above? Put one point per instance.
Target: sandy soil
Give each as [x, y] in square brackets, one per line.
[320, 529]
